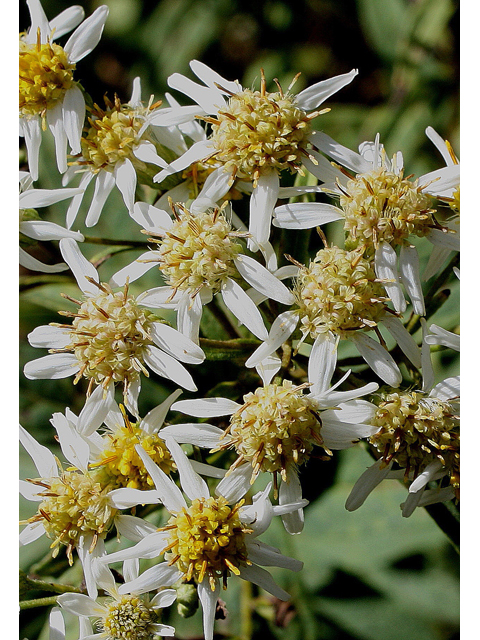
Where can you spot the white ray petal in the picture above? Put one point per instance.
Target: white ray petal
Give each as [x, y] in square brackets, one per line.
[404, 339]
[31, 533]
[80, 604]
[366, 484]
[66, 21]
[168, 367]
[189, 315]
[170, 494]
[291, 492]
[213, 79]
[208, 598]
[322, 363]
[409, 264]
[305, 215]
[56, 126]
[236, 484]
[47, 337]
[33, 137]
[209, 99]
[126, 497]
[215, 187]
[126, 181]
[197, 151]
[207, 407]
[176, 344]
[261, 553]
[268, 368]
[447, 389]
[134, 271]
[76, 202]
[80, 266]
[386, 271]
[163, 599]
[192, 484]
[151, 217]
[282, 328]
[243, 308]
[38, 20]
[155, 418]
[339, 153]
[73, 108]
[175, 116]
[52, 367]
[75, 448]
[57, 625]
[262, 203]
[261, 279]
[201, 435]
[378, 358]
[134, 528]
[312, 97]
[44, 230]
[42, 457]
[263, 579]
[96, 409]
[29, 262]
[86, 37]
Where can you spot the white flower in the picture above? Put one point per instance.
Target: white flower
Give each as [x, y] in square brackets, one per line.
[76, 508]
[48, 93]
[339, 297]
[114, 148]
[31, 225]
[206, 540]
[380, 209]
[255, 135]
[129, 614]
[111, 340]
[418, 441]
[277, 427]
[450, 196]
[200, 255]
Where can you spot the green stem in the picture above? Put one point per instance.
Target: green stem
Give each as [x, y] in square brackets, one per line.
[246, 626]
[38, 602]
[228, 349]
[447, 517]
[117, 243]
[54, 587]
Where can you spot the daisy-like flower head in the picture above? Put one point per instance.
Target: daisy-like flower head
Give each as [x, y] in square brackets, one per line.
[380, 208]
[206, 539]
[339, 296]
[116, 145]
[254, 134]
[126, 616]
[33, 227]
[200, 255]
[418, 440]
[76, 507]
[111, 340]
[278, 427]
[49, 95]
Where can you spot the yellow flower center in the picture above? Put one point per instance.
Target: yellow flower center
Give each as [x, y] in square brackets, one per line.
[338, 292]
[74, 504]
[416, 430]
[276, 428]
[383, 205]
[45, 75]
[122, 465]
[128, 618]
[207, 539]
[109, 336]
[259, 131]
[112, 135]
[198, 251]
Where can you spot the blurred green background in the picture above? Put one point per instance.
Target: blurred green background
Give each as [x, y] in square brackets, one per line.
[370, 575]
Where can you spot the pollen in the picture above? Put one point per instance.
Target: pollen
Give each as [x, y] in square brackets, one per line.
[416, 430]
[259, 131]
[207, 540]
[128, 618]
[109, 336]
[338, 293]
[121, 464]
[275, 429]
[45, 76]
[198, 251]
[113, 134]
[74, 504]
[383, 205]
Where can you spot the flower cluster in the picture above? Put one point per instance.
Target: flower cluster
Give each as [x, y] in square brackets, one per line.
[222, 290]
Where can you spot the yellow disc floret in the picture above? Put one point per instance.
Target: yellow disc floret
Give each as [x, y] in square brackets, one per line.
[276, 428]
[113, 134]
[383, 205]
[198, 251]
[45, 75]
[338, 292]
[128, 618]
[74, 504]
[416, 430]
[109, 336]
[121, 464]
[207, 539]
